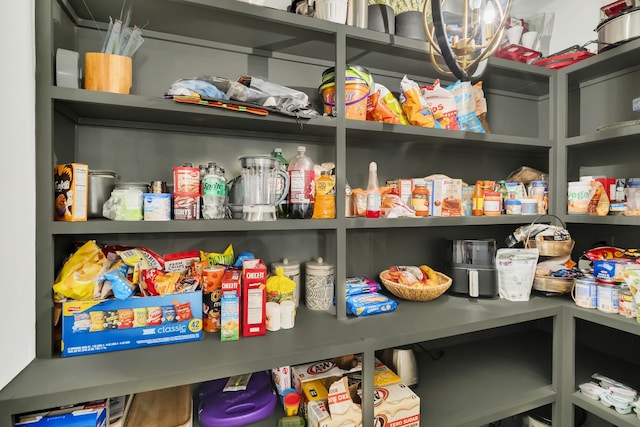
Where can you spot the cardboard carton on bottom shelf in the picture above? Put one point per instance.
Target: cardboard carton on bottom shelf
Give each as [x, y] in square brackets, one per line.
[92, 414]
[395, 405]
[109, 325]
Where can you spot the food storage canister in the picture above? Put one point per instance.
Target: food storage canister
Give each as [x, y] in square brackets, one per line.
[291, 269]
[101, 184]
[319, 285]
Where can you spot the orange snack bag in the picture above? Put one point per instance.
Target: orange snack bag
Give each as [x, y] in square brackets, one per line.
[415, 106]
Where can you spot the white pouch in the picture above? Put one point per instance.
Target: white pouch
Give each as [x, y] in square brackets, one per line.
[516, 271]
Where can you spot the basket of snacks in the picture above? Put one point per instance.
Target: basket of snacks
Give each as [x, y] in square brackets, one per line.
[550, 240]
[558, 285]
[415, 283]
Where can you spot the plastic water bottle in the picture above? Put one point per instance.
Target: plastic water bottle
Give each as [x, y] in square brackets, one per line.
[214, 193]
[301, 185]
[282, 210]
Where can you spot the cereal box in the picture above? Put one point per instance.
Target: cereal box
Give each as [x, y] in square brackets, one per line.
[230, 306]
[98, 326]
[71, 182]
[254, 297]
[446, 197]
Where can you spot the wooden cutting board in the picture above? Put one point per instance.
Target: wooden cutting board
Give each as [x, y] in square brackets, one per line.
[169, 407]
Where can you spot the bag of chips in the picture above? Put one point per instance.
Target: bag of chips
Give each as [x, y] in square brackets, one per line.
[414, 105]
[81, 272]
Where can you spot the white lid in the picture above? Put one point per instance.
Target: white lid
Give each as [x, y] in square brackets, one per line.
[373, 166]
[319, 265]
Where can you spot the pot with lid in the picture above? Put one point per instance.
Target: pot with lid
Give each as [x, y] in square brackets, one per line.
[101, 184]
[619, 29]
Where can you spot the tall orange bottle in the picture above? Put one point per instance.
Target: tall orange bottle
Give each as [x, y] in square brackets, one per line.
[477, 200]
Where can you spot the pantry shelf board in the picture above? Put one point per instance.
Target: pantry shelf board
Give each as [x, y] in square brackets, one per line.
[600, 65]
[418, 222]
[607, 414]
[618, 136]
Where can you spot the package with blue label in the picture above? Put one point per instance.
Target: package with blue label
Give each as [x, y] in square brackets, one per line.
[371, 303]
[97, 326]
[361, 285]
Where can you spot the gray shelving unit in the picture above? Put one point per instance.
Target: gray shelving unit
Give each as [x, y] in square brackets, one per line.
[501, 359]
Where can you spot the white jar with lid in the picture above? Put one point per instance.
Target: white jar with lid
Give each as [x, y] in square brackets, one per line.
[126, 202]
[291, 269]
[319, 285]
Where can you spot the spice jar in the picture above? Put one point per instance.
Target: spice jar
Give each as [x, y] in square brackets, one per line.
[492, 203]
[420, 200]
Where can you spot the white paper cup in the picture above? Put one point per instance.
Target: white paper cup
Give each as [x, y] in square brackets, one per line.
[529, 39]
[273, 316]
[514, 33]
[287, 314]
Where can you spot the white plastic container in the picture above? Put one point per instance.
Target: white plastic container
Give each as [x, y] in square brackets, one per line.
[578, 196]
[332, 10]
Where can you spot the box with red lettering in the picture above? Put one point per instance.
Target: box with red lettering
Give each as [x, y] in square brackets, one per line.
[254, 297]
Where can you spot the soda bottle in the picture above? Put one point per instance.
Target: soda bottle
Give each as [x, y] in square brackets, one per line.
[282, 210]
[214, 194]
[301, 185]
[373, 193]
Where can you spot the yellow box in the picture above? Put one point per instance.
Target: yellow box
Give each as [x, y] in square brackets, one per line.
[383, 376]
[71, 182]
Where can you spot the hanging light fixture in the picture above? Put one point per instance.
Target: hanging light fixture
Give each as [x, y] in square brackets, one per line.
[465, 45]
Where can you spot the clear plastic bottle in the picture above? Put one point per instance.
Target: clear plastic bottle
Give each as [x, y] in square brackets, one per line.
[301, 185]
[282, 210]
[214, 193]
[373, 193]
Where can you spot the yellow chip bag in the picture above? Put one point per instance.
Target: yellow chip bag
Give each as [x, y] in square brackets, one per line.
[81, 272]
[414, 105]
[280, 287]
[225, 258]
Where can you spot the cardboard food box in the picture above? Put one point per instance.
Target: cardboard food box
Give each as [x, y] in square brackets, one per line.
[93, 414]
[394, 405]
[254, 297]
[99, 326]
[403, 187]
[312, 391]
[318, 414]
[446, 197]
[383, 376]
[230, 306]
[321, 369]
[281, 377]
[71, 187]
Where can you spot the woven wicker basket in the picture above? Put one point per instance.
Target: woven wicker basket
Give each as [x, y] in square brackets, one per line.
[413, 293]
[559, 285]
[550, 247]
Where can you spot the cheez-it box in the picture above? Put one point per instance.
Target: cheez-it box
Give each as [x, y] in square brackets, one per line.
[230, 289]
[254, 297]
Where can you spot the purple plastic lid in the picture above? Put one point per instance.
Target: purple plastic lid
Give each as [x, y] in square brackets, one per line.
[236, 408]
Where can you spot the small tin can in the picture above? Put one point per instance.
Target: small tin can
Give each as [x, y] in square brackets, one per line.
[627, 306]
[585, 293]
[608, 298]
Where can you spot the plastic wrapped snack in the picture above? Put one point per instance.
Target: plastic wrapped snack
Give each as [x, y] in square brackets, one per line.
[442, 104]
[81, 272]
[466, 105]
[371, 303]
[414, 105]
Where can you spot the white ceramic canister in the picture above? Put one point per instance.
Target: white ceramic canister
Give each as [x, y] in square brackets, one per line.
[319, 285]
[585, 293]
[291, 269]
[608, 298]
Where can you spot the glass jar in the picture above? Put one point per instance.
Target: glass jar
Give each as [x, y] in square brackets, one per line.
[513, 207]
[420, 200]
[127, 201]
[492, 203]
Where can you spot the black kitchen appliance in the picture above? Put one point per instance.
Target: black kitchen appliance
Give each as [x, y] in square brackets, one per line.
[472, 267]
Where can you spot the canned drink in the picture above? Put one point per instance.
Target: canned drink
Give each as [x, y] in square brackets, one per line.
[626, 306]
[158, 187]
[608, 298]
[586, 293]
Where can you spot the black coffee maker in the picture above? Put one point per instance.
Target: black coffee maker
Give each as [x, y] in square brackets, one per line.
[472, 266]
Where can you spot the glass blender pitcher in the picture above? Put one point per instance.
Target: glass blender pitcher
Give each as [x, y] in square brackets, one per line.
[259, 176]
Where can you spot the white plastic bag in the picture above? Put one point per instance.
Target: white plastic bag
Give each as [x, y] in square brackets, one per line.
[516, 271]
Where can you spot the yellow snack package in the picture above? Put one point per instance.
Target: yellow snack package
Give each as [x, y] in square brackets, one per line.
[213, 258]
[280, 287]
[394, 105]
[81, 272]
[415, 107]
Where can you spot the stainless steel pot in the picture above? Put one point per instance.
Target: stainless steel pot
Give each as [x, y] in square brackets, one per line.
[101, 183]
[619, 29]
